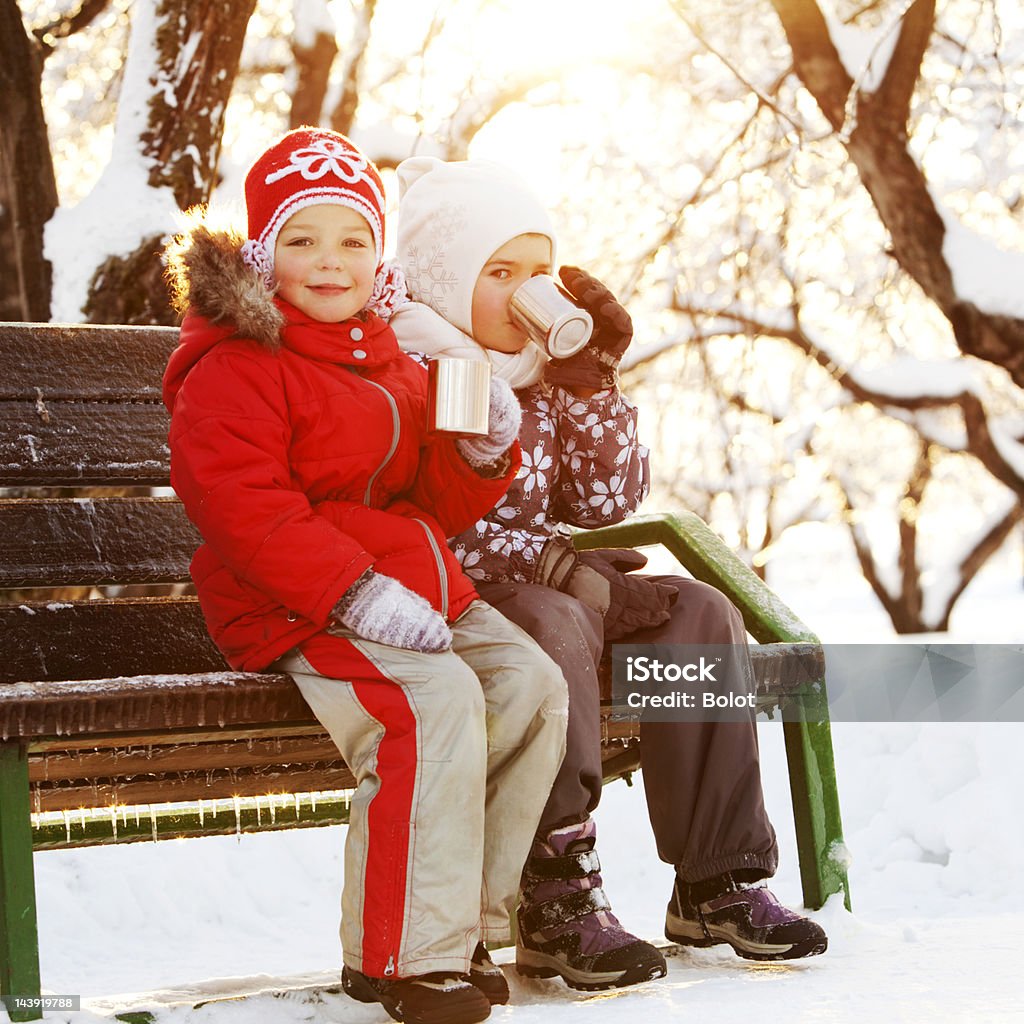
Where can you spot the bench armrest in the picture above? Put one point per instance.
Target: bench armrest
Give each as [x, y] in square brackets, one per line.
[707, 558]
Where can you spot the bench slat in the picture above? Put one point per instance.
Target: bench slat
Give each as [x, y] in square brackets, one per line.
[83, 789]
[71, 444]
[613, 731]
[105, 638]
[65, 362]
[194, 734]
[148, 703]
[180, 757]
[192, 786]
[75, 541]
[189, 820]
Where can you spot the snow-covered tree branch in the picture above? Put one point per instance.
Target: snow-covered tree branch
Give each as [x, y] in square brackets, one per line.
[987, 325]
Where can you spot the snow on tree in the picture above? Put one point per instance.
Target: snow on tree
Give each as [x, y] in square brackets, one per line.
[809, 328]
[181, 63]
[986, 311]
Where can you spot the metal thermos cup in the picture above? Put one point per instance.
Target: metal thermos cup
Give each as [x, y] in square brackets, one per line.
[458, 395]
[546, 311]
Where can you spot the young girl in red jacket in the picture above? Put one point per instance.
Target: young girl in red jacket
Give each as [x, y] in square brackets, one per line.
[470, 233]
[299, 449]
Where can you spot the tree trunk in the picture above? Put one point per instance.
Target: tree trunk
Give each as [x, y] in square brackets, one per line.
[198, 45]
[314, 65]
[130, 289]
[343, 117]
[986, 546]
[906, 609]
[28, 191]
[877, 145]
[903, 608]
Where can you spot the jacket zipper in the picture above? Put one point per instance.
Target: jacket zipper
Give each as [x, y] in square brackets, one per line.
[396, 428]
[395, 434]
[439, 560]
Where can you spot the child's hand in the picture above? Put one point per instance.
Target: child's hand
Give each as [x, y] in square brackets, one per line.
[599, 579]
[504, 419]
[613, 326]
[636, 602]
[560, 568]
[378, 607]
[594, 366]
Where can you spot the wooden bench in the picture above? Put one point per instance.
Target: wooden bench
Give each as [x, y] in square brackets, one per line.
[115, 704]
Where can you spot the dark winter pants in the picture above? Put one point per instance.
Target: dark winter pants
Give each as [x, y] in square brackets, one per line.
[703, 780]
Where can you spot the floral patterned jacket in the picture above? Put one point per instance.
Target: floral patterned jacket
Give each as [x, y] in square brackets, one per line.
[582, 466]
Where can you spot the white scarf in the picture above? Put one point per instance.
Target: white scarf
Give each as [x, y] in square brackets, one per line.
[421, 329]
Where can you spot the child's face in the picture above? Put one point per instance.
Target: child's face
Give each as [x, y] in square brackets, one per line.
[325, 262]
[516, 261]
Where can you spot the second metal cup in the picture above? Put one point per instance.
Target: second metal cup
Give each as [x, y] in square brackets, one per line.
[458, 395]
[546, 311]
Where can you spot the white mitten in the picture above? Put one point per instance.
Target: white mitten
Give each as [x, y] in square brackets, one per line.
[378, 607]
[504, 420]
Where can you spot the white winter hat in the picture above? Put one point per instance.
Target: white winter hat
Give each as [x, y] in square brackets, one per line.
[452, 217]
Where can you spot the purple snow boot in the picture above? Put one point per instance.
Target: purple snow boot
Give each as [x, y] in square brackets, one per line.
[746, 916]
[566, 927]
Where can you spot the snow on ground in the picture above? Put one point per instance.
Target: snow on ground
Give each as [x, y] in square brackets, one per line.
[933, 816]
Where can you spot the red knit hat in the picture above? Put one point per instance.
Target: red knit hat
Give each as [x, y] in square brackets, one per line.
[307, 167]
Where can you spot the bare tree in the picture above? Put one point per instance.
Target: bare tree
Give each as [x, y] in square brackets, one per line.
[314, 47]
[28, 191]
[343, 116]
[776, 241]
[948, 420]
[876, 137]
[911, 606]
[196, 48]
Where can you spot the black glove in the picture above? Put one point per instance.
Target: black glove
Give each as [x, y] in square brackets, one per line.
[594, 365]
[623, 559]
[625, 603]
[636, 602]
[559, 567]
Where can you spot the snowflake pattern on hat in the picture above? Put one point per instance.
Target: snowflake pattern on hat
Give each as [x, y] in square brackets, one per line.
[425, 273]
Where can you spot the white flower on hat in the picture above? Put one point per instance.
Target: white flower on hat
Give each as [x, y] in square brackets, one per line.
[322, 157]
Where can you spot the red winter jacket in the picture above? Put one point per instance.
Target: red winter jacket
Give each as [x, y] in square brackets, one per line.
[304, 466]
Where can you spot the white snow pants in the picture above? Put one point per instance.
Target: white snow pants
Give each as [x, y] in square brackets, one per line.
[454, 755]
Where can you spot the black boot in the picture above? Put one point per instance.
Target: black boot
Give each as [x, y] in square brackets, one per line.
[747, 916]
[487, 976]
[566, 927]
[440, 998]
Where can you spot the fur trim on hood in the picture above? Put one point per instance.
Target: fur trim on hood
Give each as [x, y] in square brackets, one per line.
[207, 275]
